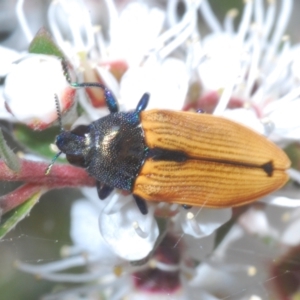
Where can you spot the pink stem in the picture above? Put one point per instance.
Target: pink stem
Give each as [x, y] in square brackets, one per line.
[60, 175]
[18, 196]
[33, 174]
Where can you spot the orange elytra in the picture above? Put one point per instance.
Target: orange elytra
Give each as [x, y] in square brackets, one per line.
[227, 164]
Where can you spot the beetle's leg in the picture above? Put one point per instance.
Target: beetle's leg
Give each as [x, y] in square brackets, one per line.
[141, 204]
[143, 103]
[103, 190]
[185, 206]
[111, 102]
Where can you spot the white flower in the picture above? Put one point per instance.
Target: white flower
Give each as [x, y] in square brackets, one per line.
[167, 83]
[201, 222]
[132, 36]
[7, 58]
[130, 234]
[235, 65]
[255, 64]
[250, 74]
[167, 271]
[30, 87]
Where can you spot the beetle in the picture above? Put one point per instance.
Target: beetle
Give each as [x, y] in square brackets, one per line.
[189, 158]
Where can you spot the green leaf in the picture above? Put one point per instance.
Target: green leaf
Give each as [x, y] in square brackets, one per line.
[11, 219]
[37, 141]
[43, 44]
[8, 156]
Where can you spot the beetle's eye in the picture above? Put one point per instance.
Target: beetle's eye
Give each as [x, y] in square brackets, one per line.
[76, 160]
[81, 130]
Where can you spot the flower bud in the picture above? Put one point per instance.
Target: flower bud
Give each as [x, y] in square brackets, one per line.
[30, 88]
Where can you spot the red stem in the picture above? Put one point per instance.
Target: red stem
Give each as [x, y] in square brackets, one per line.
[60, 175]
[18, 196]
[33, 174]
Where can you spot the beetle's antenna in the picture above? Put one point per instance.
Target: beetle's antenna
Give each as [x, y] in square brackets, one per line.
[65, 68]
[109, 97]
[64, 64]
[52, 163]
[88, 84]
[58, 111]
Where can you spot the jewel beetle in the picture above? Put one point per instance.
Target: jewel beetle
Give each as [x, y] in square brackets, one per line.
[189, 158]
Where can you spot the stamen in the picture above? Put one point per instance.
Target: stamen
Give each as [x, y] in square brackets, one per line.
[79, 24]
[252, 271]
[258, 12]
[152, 263]
[210, 17]
[171, 13]
[255, 297]
[233, 235]
[67, 251]
[285, 12]
[57, 266]
[54, 26]
[282, 102]
[118, 270]
[179, 40]
[112, 17]
[74, 278]
[193, 223]
[269, 126]
[225, 97]
[180, 32]
[22, 21]
[245, 21]
[269, 21]
[167, 267]
[139, 231]
[254, 69]
[228, 22]
[100, 43]
[274, 77]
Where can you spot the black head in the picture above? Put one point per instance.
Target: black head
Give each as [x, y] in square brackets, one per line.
[75, 144]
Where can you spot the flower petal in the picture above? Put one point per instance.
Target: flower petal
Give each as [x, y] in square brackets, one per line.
[221, 66]
[7, 57]
[136, 31]
[85, 231]
[200, 222]
[30, 88]
[130, 234]
[291, 235]
[245, 117]
[167, 84]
